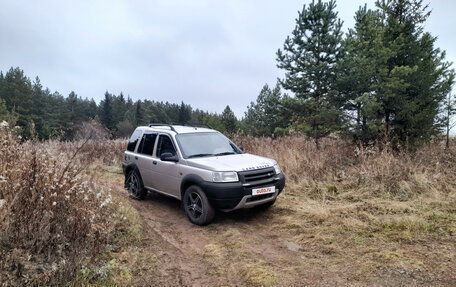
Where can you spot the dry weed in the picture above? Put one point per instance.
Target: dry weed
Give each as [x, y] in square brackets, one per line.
[52, 213]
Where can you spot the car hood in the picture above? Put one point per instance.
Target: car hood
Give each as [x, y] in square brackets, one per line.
[235, 162]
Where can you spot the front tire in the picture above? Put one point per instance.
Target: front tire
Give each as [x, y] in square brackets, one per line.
[197, 207]
[135, 185]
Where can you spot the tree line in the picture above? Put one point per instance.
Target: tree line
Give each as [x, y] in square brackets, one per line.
[36, 111]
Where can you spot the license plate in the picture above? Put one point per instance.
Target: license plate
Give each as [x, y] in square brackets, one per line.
[263, 190]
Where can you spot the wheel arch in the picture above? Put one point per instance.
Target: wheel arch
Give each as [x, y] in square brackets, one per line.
[189, 180]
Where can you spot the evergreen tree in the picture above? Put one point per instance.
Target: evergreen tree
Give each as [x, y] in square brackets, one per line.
[420, 77]
[229, 120]
[37, 111]
[106, 112]
[17, 93]
[4, 114]
[72, 107]
[57, 118]
[265, 116]
[92, 109]
[309, 58]
[362, 69]
[119, 107]
[73, 114]
[185, 114]
[139, 114]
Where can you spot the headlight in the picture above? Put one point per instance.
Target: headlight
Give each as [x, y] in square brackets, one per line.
[277, 169]
[225, 176]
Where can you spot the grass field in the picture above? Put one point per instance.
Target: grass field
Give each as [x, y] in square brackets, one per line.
[347, 217]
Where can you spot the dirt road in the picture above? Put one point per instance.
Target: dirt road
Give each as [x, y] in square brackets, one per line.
[298, 242]
[238, 248]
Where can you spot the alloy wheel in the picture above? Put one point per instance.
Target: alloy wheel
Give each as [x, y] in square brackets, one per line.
[194, 205]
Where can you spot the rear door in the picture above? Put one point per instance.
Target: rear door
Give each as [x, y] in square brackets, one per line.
[166, 173]
[145, 160]
[130, 153]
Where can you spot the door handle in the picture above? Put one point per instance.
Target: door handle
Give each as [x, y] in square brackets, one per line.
[136, 157]
[154, 162]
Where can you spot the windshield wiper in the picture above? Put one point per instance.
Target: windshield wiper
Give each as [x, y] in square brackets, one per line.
[200, 155]
[225, 153]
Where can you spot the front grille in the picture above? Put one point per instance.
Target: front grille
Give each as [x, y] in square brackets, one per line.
[258, 177]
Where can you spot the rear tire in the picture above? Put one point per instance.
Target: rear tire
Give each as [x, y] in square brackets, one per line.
[197, 207]
[135, 185]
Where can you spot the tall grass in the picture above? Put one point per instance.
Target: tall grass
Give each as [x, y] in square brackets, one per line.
[104, 151]
[52, 214]
[372, 171]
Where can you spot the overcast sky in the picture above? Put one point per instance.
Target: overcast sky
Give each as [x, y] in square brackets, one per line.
[206, 53]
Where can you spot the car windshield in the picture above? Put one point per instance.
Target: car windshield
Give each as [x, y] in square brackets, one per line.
[206, 144]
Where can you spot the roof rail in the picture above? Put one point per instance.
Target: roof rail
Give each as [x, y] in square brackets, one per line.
[198, 125]
[171, 126]
[163, 125]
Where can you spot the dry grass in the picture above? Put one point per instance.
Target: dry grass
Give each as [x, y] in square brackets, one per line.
[345, 213]
[380, 207]
[53, 215]
[340, 164]
[259, 274]
[108, 152]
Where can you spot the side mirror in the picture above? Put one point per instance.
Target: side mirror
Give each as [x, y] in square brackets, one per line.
[167, 156]
[241, 148]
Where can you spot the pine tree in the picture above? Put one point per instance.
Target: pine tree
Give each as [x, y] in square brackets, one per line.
[362, 68]
[17, 93]
[419, 77]
[106, 112]
[265, 116]
[92, 109]
[37, 111]
[55, 108]
[229, 120]
[139, 114]
[309, 58]
[4, 114]
[119, 107]
[185, 114]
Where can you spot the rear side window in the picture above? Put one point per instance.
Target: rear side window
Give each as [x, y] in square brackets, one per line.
[146, 146]
[133, 140]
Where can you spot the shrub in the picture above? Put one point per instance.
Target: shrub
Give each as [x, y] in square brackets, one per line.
[52, 216]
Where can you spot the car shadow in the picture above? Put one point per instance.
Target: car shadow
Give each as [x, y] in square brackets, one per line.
[241, 215]
[161, 201]
[172, 205]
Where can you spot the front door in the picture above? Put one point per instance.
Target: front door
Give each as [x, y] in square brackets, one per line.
[166, 173]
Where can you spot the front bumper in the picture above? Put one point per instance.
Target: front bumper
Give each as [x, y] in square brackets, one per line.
[231, 196]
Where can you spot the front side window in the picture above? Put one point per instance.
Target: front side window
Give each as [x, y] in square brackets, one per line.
[165, 145]
[206, 144]
[133, 140]
[146, 146]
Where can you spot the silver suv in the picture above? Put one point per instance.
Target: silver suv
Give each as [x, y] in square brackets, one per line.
[201, 167]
